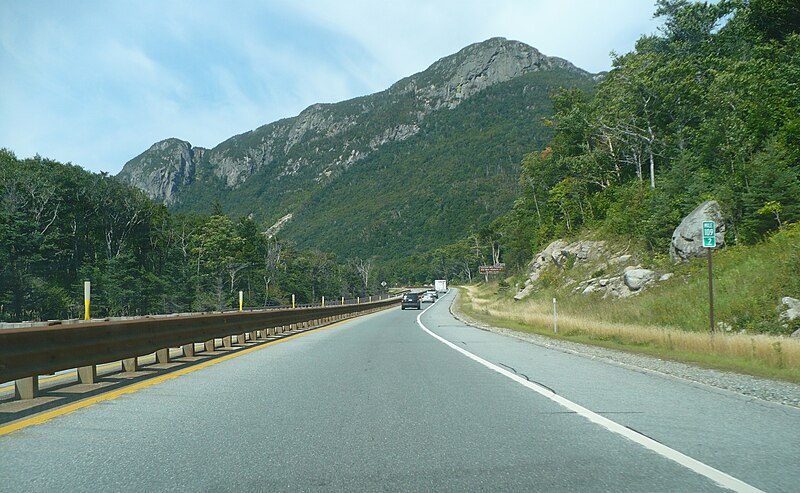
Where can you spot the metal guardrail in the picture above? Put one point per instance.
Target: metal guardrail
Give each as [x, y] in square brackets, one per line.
[26, 353]
[73, 321]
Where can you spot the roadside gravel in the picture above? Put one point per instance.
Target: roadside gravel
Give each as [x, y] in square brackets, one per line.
[760, 388]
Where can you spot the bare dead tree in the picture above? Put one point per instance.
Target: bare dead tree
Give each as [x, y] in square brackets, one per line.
[363, 268]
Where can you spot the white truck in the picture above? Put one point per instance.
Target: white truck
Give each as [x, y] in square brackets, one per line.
[440, 285]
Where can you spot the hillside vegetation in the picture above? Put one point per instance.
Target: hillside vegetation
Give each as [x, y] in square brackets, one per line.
[461, 169]
[707, 109]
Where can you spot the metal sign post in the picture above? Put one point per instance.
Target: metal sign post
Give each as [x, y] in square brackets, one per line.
[710, 242]
[555, 318]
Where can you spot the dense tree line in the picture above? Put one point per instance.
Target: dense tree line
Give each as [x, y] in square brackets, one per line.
[61, 225]
[708, 108]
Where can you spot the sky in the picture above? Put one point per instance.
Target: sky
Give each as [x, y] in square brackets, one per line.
[97, 82]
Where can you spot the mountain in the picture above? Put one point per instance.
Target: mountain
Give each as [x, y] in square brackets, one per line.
[403, 170]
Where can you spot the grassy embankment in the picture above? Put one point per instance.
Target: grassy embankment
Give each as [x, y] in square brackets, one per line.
[670, 321]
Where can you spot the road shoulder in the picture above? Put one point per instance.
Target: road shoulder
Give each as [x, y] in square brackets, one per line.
[775, 391]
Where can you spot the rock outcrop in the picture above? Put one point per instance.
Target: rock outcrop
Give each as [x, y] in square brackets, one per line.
[164, 170]
[455, 78]
[687, 239]
[612, 274]
[789, 312]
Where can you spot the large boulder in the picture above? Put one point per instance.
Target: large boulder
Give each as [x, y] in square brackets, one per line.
[687, 239]
[636, 278]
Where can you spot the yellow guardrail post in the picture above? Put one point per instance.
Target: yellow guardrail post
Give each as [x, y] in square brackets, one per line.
[241, 299]
[87, 298]
[292, 302]
[342, 300]
[323, 302]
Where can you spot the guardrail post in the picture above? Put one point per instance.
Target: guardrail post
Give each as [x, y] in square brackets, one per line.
[227, 342]
[241, 339]
[162, 356]
[26, 388]
[87, 299]
[188, 350]
[130, 364]
[210, 345]
[87, 374]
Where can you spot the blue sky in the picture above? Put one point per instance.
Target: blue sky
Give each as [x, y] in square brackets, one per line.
[96, 83]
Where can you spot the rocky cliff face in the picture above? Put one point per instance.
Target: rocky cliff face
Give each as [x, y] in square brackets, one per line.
[326, 139]
[164, 170]
[478, 66]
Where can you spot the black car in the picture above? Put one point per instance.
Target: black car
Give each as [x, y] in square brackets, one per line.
[410, 300]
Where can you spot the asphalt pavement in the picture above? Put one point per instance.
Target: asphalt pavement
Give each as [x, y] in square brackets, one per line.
[379, 404]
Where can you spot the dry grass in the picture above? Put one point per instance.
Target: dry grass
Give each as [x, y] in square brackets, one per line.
[764, 355]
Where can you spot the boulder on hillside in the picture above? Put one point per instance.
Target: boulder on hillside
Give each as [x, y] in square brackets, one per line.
[791, 309]
[687, 239]
[635, 279]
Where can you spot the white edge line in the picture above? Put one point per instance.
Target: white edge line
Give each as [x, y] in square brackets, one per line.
[720, 478]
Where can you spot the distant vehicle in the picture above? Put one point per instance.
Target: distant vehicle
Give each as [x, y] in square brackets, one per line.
[440, 285]
[427, 298]
[433, 293]
[410, 300]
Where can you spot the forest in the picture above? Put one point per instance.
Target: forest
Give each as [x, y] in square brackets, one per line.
[61, 225]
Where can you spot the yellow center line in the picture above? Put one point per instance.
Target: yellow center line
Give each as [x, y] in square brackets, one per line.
[66, 409]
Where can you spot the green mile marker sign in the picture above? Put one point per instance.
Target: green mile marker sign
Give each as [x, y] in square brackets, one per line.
[709, 234]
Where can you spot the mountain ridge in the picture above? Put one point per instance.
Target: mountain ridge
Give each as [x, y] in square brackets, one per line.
[466, 72]
[280, 167]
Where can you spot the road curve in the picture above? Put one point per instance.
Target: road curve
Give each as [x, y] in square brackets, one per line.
[378, 403]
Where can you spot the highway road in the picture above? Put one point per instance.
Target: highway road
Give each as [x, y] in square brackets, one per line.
[411, 401]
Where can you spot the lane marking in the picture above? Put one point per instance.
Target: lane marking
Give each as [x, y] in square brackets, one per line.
[69, 408]
[720, 478]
